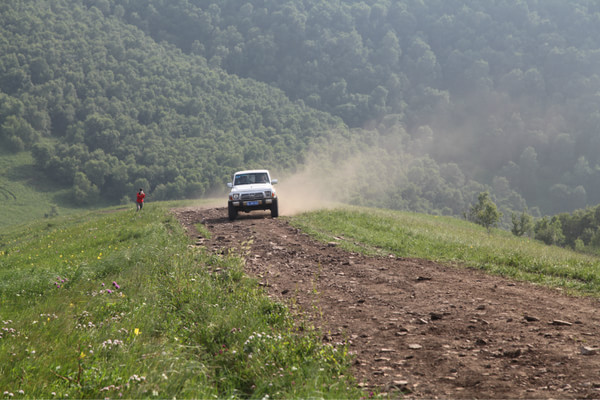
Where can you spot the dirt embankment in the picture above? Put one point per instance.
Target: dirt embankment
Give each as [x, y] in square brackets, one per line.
[419, 327]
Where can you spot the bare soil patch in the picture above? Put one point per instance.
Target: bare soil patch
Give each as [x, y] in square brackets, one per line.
[417, 327]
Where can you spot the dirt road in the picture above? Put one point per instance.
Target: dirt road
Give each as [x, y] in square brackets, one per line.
[419, 327]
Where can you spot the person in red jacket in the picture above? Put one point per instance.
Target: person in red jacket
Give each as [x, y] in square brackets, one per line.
[140, 199]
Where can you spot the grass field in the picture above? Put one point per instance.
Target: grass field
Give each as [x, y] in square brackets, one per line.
[115, 303]
[24, 193]
[454, 241]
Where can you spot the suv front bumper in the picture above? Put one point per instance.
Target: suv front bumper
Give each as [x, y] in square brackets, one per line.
[247, 205]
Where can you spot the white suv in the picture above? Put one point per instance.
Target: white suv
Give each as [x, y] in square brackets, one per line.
[252, 190]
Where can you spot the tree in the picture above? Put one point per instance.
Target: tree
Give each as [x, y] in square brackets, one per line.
[522, 225]
[84, 191]
[549, 231]
[485, 212]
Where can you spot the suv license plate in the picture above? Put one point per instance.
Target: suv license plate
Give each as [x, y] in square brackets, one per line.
[252, 203]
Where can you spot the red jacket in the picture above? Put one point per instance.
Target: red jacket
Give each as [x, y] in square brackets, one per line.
[140, 197]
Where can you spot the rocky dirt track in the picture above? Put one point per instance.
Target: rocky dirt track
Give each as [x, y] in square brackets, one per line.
[417, 327]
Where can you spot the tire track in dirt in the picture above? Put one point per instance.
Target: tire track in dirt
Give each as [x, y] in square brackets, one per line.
[417, 327]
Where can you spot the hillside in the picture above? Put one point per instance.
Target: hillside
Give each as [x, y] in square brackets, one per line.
[105, 109]
[115, 303]
[505, 90]
[420, 328]
[184, 303]
[27, 195]
[407, 105]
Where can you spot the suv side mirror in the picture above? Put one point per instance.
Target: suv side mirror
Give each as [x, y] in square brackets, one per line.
[229, 185]
[273, 181]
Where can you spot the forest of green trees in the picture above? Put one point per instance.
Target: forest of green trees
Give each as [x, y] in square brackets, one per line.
[439, 100]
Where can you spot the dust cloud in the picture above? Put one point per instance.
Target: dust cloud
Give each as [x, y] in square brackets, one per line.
[304, 191]
[327, 181]
[372, 166]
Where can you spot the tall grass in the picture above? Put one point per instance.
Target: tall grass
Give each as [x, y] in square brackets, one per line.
[454, 241]
[118, 304]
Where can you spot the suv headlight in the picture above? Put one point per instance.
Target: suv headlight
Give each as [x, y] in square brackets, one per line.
[234, 196]
[267, 194]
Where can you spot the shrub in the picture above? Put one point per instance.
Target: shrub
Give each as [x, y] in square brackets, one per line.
[485, 212]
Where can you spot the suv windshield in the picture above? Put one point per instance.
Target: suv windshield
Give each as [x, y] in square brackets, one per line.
[249, 179]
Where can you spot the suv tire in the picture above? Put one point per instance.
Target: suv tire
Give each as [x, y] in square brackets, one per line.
[231, 211]
[274, 209]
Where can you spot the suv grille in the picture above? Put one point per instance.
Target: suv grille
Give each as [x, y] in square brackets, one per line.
[252, 196]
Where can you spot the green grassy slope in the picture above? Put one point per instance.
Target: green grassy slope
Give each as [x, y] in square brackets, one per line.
[24, 194]
[116, 303]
